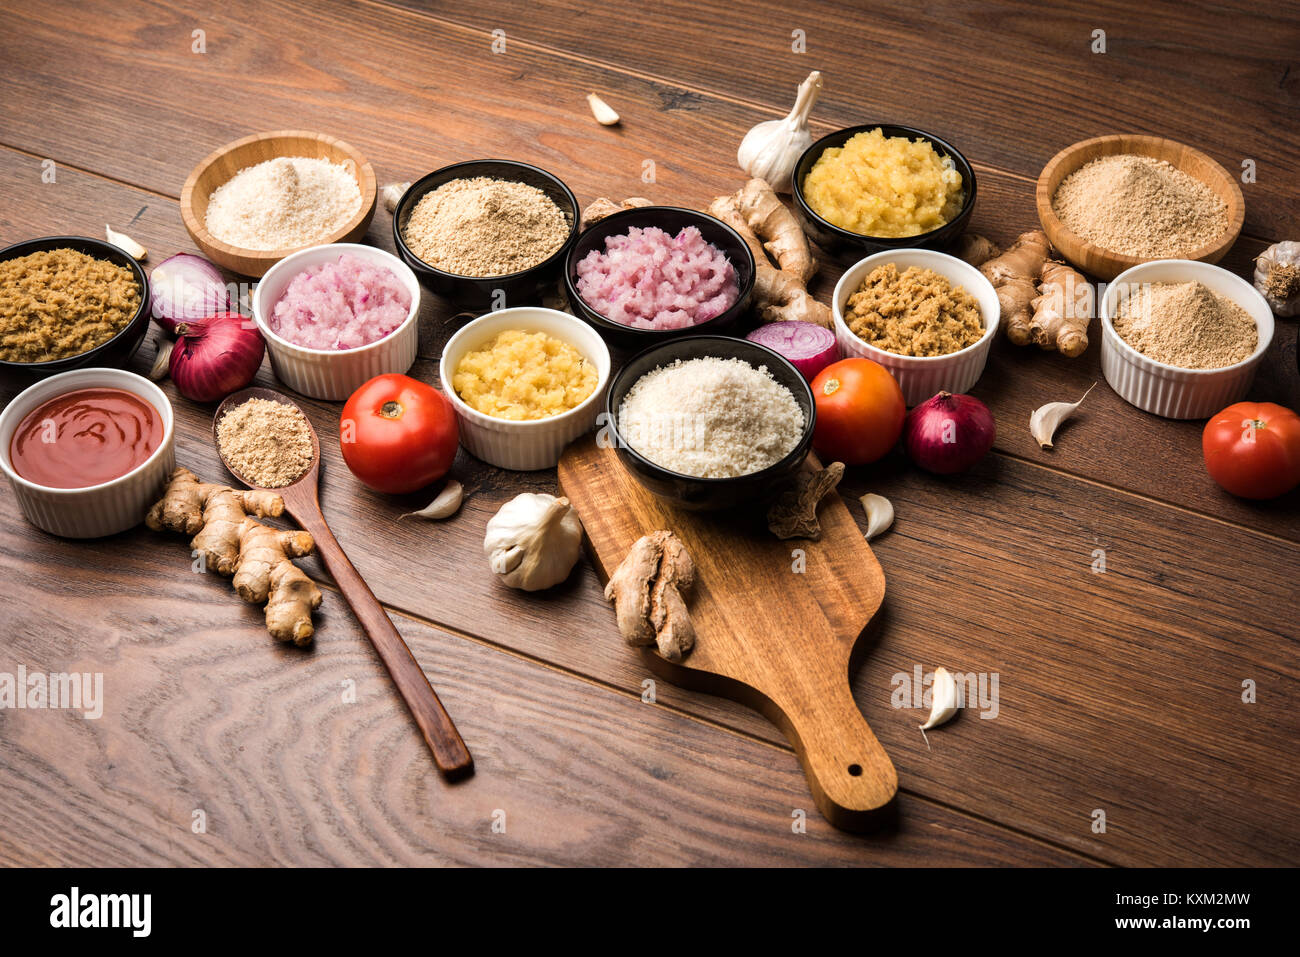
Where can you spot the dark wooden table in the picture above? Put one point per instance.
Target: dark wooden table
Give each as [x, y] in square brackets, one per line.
[1120, 692]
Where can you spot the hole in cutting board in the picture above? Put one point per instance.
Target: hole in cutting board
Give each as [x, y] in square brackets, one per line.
[855, 770]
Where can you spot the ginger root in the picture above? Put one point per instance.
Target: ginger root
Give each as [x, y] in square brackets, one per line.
[648, 591]
[975, 249]
[794, 513]
[1014, 276]
[780, 295]
[603, 206]
[1062, 310]
[771, 221]
[1042, 301]
[226, 539]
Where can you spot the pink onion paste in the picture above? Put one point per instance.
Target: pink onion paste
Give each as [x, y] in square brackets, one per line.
[341, 305]
[650, 280]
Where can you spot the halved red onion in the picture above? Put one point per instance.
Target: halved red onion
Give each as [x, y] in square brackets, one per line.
[809, 347]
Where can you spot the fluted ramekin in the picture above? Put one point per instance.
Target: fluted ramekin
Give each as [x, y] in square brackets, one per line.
[536, 443]
[97, 510]
[921, 377]
[1170, 391]
[335, 374]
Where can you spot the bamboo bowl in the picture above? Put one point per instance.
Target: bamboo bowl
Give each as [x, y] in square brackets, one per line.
[217, 169]
[1101, 262]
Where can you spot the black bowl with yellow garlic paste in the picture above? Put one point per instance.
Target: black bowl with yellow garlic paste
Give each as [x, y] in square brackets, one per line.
[848, 247]
[115, 352]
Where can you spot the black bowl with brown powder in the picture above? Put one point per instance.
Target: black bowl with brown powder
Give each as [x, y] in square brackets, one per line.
[527, 283]
[39, 342]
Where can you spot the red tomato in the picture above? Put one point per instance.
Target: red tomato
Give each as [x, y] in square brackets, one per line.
[860, 411]
[1252, 449]
[398, 435]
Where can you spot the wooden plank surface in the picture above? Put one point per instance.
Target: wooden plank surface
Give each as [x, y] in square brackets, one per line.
[1121, 691]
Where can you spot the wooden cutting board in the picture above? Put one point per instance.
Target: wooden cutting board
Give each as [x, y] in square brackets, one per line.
[771, 637]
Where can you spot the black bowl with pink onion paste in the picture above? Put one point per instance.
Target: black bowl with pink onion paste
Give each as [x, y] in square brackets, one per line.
[671, 219]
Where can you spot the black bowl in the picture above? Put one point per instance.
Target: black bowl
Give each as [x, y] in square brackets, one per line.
[117, 351]
[671, 219]
[708, 494]
[848, 247]
[491, 292]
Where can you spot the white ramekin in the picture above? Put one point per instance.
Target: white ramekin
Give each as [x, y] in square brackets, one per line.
[1167, 390]
[326, 373]
[537, 443]
[97, 510]
[920, 377]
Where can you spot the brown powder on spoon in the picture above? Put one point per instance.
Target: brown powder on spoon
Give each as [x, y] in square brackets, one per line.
[266, 442]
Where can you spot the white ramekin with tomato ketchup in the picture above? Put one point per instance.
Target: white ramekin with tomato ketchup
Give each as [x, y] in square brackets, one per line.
[88, 451]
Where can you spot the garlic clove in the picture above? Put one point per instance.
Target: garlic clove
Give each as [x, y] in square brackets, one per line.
[943, 702]
[445, 505]
[880, 514]
[125, 243]
[602, 111]
[1048, 418]
[392, 194]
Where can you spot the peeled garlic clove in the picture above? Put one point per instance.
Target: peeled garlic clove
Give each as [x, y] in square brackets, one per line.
[943, 699]
[880, 514]
[444, 506]
[162, 362]
[392, 194]
[125, 243]
[1047, 419]
[601, 110]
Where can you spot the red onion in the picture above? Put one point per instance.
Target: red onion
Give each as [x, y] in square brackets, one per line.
[215, 356]
[809, 347]
[187, 287]
[949, 433]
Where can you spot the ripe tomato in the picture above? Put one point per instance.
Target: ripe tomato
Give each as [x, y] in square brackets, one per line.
[860, 411]
[1252, 449]
[397, 434]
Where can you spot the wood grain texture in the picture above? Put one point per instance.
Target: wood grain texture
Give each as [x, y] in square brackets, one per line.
[1008, 82]
[986, 574]
[786, 655]
[216, 169]
[307, 757]
[302, 504]
[1104, 263]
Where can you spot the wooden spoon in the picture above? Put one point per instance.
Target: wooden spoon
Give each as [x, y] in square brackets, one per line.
[301, 502]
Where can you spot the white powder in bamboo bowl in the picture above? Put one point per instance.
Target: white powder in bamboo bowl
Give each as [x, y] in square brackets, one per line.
[283, 203]
[711, 418]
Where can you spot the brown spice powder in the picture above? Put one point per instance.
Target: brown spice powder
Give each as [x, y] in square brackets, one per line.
[915, 313]
[484, 227]
[59, 302]
[1140, 206]
[1186, 324]
[266, 442]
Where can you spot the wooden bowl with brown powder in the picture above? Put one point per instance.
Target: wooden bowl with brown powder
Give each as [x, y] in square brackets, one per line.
[1091, 255]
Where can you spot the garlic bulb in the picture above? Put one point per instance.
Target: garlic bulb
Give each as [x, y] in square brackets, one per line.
[533, 541]
[771, 149]
[1277, 277]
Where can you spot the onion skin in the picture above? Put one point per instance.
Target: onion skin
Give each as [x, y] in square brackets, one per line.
[216, 356]
[186, 287]
[810, 348]
[949, 433]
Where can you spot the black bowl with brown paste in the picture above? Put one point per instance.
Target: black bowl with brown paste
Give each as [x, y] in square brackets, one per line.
[116, 351]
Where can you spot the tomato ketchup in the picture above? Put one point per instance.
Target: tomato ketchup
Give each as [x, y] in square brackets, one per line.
[85, 437]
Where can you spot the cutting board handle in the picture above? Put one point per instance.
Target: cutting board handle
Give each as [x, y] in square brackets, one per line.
[851, 776]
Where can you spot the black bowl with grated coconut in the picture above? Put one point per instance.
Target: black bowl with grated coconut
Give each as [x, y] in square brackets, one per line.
[712, 494]
[520, 288]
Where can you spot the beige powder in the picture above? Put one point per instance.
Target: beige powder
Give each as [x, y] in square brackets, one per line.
[266, 442]
[1186, 324]
[485, 227]
[1140, 206]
